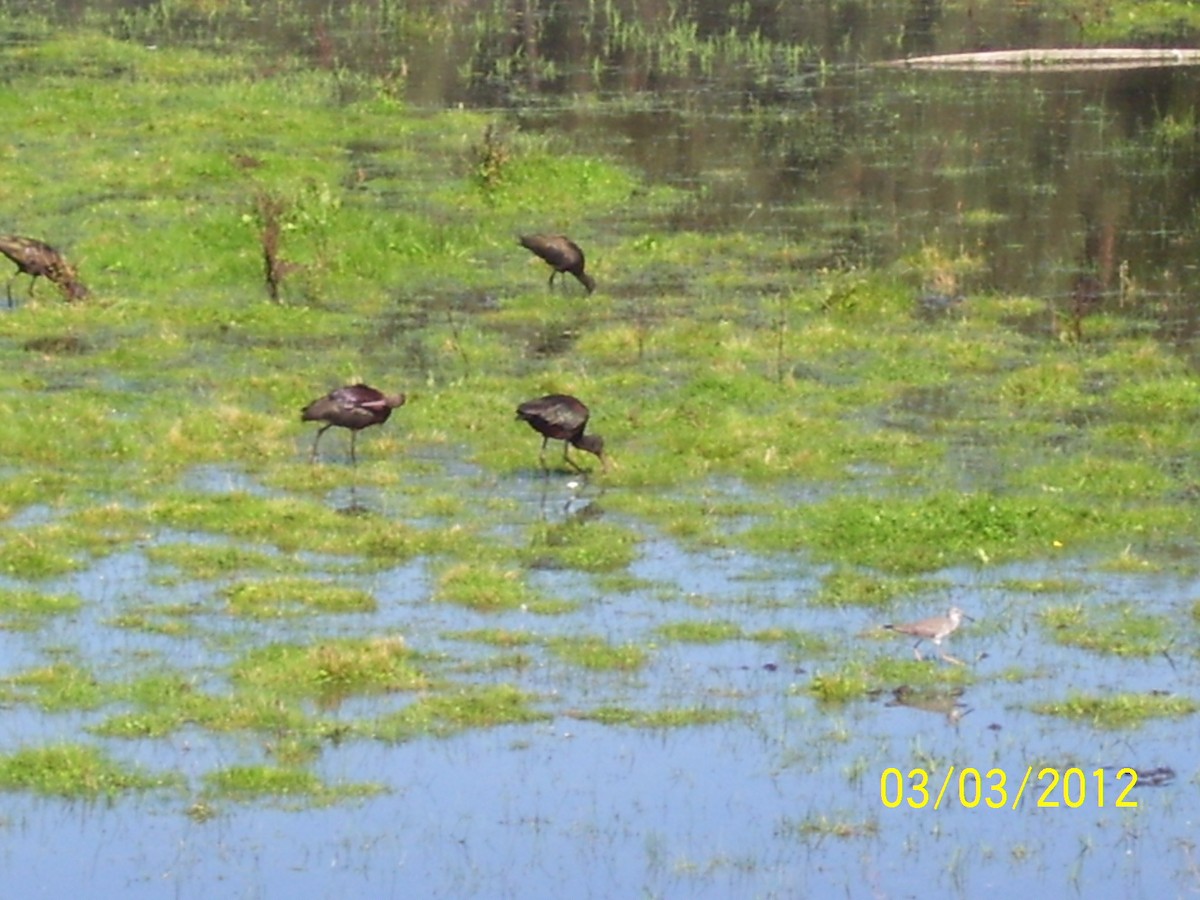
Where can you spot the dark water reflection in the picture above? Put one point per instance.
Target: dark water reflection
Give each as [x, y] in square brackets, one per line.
[777, 118]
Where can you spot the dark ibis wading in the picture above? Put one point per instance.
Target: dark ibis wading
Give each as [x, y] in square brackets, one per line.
[355, 407]
[561, 417]
[39, 260]
[562, 255]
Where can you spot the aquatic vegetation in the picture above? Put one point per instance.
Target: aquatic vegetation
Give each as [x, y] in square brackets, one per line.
[333, 668]
[489, 587]
[700, 632]
[457, 709]
[845, 587]
[24, 609]
[75, 771]
[1120, 710]
[657, 718]
[1121, 630]
[596, 654]
[589, 546]
[56, 688]
[249, 783]
[292, 596]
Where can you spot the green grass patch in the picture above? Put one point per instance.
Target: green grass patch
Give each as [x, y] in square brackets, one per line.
[250, 783]
[589, 546]
[846, 587]
[596, 654]
[163, 703]
[928, 532]
[490, 587]
[25, 610]
[461, 709]
[335, 667]
[57, 688]
[657, 718]
[76, 772]
[1121, 710]
[278, 597]
[204, 561]
[700, 632]
[1121, 630]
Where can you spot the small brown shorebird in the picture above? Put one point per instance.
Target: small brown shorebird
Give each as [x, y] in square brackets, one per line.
[355, 407]
[39, 260]
[936, 629]
[561, 253]
[561, 417]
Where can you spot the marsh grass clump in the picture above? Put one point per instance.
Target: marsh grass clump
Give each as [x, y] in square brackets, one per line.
[490, 158]
[931, 531]
[838, 687]
[683, 717]
[846, 587]
[75, 771]
[596, 654]
[250, 783]
[586, 545]
[801, 643]
[57, 688]
[1121, 630]
[205, 561]
[289, 525]
[42, 551]
[1121, 710]
[700, 632]
[858, 681]
[333, 668]
[163, 703]
[295, 596]
[496, 637]
[459, 709]
[25, 610]
[490, 587]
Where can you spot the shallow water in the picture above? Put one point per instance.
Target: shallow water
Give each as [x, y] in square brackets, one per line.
[570, 807]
